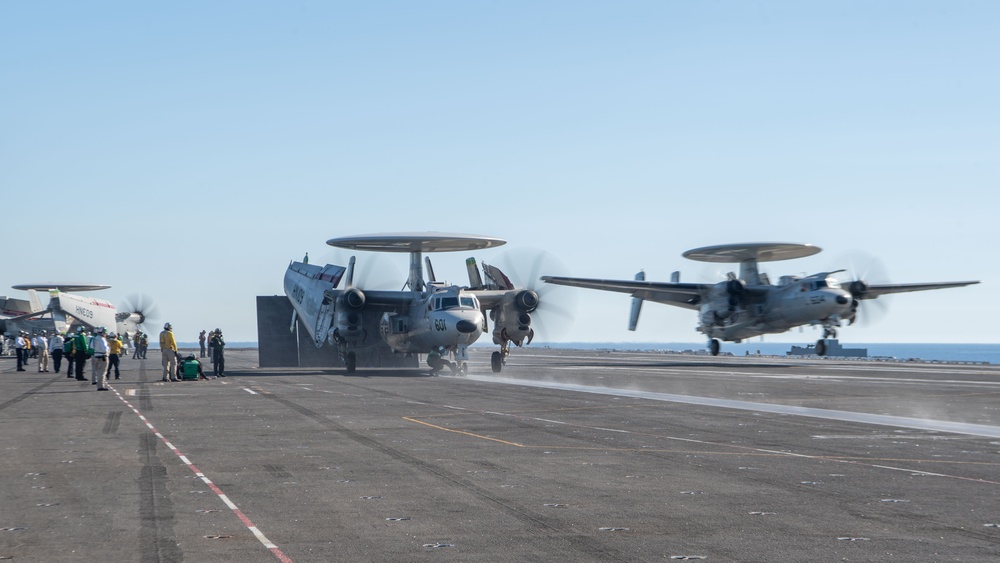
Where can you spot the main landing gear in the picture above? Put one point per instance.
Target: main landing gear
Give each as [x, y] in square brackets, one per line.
[499, 359]
[351, 362]
[829, 331]
[713, 346]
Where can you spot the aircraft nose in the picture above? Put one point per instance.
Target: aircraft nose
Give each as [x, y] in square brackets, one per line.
[843, 300]
[466, 327]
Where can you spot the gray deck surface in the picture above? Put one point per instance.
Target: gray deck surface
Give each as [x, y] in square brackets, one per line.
[641, 461]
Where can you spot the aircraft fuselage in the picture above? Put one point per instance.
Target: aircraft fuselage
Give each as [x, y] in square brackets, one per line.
[435, 323]
[440, 318]
[774, 309]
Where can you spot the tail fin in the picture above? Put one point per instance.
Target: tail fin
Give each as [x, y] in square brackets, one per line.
[475, 280]
[633, 318]
[350, 274]
[430, 269]
[36, 303]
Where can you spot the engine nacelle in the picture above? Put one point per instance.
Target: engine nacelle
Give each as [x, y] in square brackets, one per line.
[352, 298]
[714, 313]
[512, 319]
[736, 287]
[348, 321]
[857, 288]
[526, 301]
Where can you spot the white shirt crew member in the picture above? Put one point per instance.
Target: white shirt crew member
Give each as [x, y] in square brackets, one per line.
[100, 345]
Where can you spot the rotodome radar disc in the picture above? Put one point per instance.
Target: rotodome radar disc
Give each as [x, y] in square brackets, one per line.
[759, 251]
[416, 242]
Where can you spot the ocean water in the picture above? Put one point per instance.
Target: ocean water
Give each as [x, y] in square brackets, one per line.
[981, 353]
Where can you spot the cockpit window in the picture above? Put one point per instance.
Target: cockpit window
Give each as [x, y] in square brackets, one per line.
[443, 303]
[832, 282]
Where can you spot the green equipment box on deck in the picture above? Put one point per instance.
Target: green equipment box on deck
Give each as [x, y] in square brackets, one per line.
[189, 370]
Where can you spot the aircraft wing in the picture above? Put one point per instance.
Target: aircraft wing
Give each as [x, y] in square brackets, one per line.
[27, 315]
[874, 291]
[686, 295]
[387, 300]
[489, 298]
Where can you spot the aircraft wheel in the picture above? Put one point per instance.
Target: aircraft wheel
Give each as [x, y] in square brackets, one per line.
[496, 362]
[821, 347]
[713, 347]
[351, 362]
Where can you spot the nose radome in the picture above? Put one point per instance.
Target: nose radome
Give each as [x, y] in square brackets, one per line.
[843, 300]
[466, 327]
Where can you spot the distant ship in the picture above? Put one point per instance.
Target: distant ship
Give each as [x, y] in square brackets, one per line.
[833, 348]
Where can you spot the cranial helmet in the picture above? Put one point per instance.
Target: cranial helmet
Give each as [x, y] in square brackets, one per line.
[167, 326]
[79, 328]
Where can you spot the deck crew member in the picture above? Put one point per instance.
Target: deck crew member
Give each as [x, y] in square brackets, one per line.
[168, 349]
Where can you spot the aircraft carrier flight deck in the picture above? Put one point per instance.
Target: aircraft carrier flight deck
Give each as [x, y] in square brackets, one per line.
[564, 456]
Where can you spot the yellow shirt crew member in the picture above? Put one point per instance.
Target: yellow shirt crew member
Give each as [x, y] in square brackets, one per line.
[168, 349]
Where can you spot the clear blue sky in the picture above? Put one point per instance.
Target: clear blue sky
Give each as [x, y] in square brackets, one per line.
[189, 150]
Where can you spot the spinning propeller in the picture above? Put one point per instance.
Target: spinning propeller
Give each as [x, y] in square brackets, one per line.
[140, 308]
[863, 271]
[555, 307]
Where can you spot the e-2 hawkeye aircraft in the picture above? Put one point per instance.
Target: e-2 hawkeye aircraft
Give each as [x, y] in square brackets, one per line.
[431, 317]
[747, 306]
[66, 309]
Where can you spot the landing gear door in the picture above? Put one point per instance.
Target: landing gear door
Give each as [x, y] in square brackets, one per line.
[323, 320]
[392, 324]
